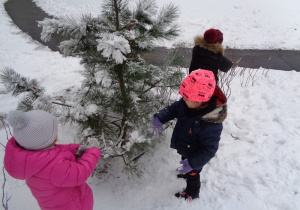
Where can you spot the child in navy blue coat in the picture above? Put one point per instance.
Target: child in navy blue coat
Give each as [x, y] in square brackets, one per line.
[200, 113]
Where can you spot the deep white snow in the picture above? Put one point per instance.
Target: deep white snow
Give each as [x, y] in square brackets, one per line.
[258, 162]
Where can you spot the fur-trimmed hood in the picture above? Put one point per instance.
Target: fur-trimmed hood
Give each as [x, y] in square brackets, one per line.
[219, 114]
[216, 48]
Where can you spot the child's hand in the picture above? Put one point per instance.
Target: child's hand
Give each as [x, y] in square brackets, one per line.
[156, 127]
[80, 150]
[186, 168]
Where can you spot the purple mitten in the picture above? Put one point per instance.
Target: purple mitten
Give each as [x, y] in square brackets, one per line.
[186, 168]
[156, 127]
[80, 150]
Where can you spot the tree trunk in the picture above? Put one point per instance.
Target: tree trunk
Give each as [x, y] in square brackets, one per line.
[117, 15]
[125, 103]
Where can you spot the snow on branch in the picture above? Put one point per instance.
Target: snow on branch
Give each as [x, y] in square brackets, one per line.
[65, 26]
[68, 46]
[114, 46]
[18, 84]
[146, 10]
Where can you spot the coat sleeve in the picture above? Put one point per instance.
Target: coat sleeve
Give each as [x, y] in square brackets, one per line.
[73, 148]
[207, 150]
[225, 65]
[168, 113]
[67, 172]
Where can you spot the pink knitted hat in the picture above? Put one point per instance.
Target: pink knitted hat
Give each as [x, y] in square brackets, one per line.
[198, 86]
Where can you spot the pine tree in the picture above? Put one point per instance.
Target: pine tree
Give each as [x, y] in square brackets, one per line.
[120, 92]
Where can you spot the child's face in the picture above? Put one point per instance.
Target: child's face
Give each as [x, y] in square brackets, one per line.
[192, 104]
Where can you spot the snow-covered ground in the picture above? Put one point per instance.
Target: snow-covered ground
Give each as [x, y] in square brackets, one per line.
[258, 162]
[246, 24]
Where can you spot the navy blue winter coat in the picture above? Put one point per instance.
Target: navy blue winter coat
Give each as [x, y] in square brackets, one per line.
[196, 134]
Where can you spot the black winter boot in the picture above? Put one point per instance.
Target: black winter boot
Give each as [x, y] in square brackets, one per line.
[186, 196]
[193, 191]
[182, 176]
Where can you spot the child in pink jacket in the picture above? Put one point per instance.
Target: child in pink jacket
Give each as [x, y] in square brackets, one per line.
[56, 179]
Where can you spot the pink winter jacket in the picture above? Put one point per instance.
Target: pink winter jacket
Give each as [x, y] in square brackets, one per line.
[54, 177]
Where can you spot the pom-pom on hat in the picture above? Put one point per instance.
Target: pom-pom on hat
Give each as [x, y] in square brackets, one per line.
[213, 36]
[198, 86]
[33, 130]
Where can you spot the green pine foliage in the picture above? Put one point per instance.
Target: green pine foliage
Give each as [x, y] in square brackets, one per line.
[120, 92]
[17, 85]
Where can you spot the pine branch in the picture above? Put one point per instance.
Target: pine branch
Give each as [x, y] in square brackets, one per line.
[139, 155]
[64, 26]
[4, 194]
[86, 94]
[168, 14]
[62, 104]
[164, 27]
[18, 84]
[152, 86]
[5, 126]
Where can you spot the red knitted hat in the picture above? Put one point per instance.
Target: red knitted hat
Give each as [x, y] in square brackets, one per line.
[198, 86]
[213, 36]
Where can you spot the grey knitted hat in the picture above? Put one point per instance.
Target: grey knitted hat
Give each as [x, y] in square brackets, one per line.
[33, 130]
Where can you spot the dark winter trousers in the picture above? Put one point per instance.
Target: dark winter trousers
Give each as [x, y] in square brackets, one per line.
[193, 183]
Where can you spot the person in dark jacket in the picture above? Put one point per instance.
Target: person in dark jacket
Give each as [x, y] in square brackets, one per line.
[196, 135]
[208, 53]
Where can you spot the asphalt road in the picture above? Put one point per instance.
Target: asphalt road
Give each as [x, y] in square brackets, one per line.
[270, 59]
[25, 14]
